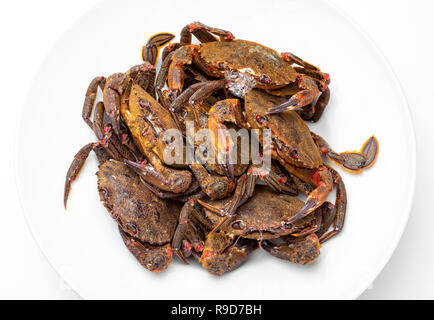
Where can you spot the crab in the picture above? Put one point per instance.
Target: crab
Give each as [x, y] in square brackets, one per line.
[264, 219]
[137, 86]
[294, 147]
[241, 65]
[108, 147]
[115, 85]
[146, 224]
[148, 120]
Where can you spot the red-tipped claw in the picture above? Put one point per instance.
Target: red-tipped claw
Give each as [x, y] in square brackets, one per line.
[297, 101]
[315, 199]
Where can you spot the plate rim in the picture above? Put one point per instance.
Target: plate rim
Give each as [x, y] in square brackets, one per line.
[364, 285]
[409, 205]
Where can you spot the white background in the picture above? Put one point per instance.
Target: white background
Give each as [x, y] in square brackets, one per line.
[403, 30]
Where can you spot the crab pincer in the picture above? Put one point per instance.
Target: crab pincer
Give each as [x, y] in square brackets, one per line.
[309, 90]
[80, 159]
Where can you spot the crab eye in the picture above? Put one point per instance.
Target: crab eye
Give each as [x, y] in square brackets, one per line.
[260, 119]
[131, 227]
[104, 193]
[265, 79]
[220, 66]
[294, 154]
[323, 86]
[238, 225]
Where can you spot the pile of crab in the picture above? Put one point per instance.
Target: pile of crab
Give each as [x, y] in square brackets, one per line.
[216, 213]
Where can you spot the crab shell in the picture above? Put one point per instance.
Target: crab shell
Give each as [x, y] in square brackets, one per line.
[147, 120]
[136, 209]
[291, 135]
[263, 216]
[266, 65]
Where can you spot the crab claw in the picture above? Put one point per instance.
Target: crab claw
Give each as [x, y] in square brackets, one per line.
[297, 101]
[315, 199]
[164, 178]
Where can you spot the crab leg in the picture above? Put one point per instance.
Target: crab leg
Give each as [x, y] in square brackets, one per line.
[122, 150]
[304, 187]
[150, 50]
[171, 195]
[370, 151]
[310, 89]
[165, 178]
[80, 159]
[292, 58]
[170, 48]
[183, 98]
[197, 93]
[228, 110]
[279, 181]
[323, 180]
[339, 210]
[354, 161]
[163, 73]
[316, 224]
[90, 97]
[221, 255]
[301, 251]
[173, 70]
[143, 75]
[75, 168]
[114, 149]
[98, 120]
[215, 187]
[187, 212]
[315, 111]
[229, 209]
[195, 26]
[321, 76]
[161, 82]
[153, 258]
[112, 103]
[100, 127]
[243, 192]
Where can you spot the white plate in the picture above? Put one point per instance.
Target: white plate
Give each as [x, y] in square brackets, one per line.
[83, 244]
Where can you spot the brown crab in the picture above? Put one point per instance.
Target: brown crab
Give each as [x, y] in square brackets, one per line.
[265, 218]
[115, 85]
[294, 147]
[138, 81]
[148, 121]
[242, 65]
[145, 221]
